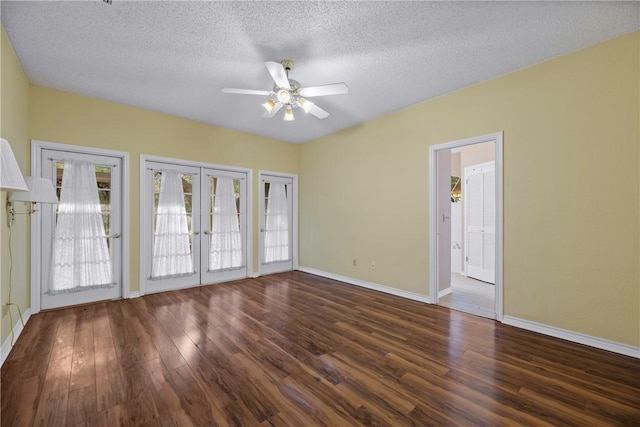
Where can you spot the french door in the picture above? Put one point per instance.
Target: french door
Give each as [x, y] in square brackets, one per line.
[194, 224]
[224, 224]
[480, 221]
[72, 271]
[277, 239]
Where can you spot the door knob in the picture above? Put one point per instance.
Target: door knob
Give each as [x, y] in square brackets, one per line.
[116, 236]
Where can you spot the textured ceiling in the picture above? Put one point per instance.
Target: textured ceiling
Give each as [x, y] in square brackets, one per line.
[174, 57]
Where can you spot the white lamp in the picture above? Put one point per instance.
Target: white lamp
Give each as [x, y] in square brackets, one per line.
[10, 175]
[40, 190]
[283, 96]
[288, 115]
[268, 106]
[306, 105]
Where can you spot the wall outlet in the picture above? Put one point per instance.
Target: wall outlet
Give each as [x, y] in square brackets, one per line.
[355, 262]
[373, 265]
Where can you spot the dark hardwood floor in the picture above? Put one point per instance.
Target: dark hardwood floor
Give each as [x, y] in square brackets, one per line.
[294, 349]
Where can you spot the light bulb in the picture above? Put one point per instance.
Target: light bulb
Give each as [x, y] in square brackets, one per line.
[306, 105]
[284, 96]
[288, 115]
[268, 106]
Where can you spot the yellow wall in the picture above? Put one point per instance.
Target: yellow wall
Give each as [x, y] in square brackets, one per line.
[571, 204]
[67, 118]
[14, 93]
[571, 194]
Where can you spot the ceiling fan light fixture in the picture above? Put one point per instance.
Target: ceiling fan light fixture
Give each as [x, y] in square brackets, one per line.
[284, 96]
[306, 105]
[288, 115]
[268, 106]
[288, 94]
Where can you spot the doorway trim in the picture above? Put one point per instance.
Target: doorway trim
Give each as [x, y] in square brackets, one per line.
[144, 250]
[261, 209]
[36, 168]
[433, 217]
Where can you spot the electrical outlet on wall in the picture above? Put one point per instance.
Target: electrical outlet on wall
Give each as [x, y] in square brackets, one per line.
[373, 265]
[355, 262]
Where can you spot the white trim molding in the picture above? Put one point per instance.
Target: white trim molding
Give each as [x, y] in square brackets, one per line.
[433, 217]
[577, 337]
[444, 292]
[369, 285]
[261, 209]
[36, 229]
[144, 236]
[132, 295]
[17, 330]
[552, 331]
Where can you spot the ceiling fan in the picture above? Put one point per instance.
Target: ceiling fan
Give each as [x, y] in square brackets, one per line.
[288, 94]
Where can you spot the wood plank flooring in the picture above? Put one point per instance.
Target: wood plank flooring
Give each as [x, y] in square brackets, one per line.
[294, 349]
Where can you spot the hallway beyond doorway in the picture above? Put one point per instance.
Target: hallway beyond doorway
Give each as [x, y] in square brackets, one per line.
[471, 296]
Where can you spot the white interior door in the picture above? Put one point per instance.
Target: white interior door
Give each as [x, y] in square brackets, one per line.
[80, 289]
[224, 225]
[277, 199]
[480, 219]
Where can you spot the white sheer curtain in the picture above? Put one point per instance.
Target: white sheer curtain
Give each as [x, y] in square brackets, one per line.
[276, 235]
[171, 248]
[81, 256]
[225, 248]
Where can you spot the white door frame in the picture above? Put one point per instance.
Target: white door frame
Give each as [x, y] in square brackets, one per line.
[433, 219]
[261, 209]
[144, 158]
[36, 169]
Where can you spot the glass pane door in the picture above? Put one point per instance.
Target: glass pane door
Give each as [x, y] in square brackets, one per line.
[276, 224]
[81, 252]
[225, 226]
[172, 226]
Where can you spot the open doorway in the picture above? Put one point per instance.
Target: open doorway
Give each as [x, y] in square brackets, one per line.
[466, 225]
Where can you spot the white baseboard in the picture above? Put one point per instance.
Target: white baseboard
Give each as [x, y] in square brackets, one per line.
[552, 331]
[444, 292]
[17, 330]
[615, 347]
[368, 285]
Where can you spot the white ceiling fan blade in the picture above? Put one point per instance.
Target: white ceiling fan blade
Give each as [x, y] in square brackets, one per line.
[245, 91]
[319, 112]
[273, 112]
[324, 90]
[278, 74]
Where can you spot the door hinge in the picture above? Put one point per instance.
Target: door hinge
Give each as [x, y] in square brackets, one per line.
[466, 258]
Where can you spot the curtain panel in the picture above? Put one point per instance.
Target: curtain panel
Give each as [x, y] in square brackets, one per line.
[276, 238]
[172, 255]
[81, 257]
[225, 246]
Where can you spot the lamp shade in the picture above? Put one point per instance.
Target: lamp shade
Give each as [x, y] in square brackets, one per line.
[40, 191]
[10, 174]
